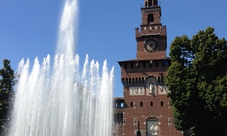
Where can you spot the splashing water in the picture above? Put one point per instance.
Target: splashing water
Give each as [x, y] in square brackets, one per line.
[64, 101]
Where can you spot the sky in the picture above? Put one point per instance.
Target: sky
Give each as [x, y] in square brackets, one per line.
[106, 29]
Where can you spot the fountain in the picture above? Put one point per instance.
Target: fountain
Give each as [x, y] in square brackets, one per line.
[64, 101]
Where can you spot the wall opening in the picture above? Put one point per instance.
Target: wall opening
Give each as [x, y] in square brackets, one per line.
[150, 18]
[131, 104]
[141, 104]
[152, 126]
[161, 103]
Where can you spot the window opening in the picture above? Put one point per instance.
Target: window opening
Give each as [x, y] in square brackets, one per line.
[141, 104]
[131, 104]
[163, 63]
[162, 79]
[125, 65]
[150, 18]
[156, 63]
[155, 3]
[169, 122]
[144, 64]
[137, 64]
[158, 79]
[122, 105]
[121, 118]
[134, 121]
[152, 127]
[161, 103]
[151, 103]
[150, 3]
[118, 118]
[150, 64]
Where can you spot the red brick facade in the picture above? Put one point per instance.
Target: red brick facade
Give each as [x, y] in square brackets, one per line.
[145, 93]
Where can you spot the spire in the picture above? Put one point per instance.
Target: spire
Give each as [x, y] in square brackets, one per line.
[150, 3]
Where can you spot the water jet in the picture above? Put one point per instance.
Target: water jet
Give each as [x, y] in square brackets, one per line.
[63, 100]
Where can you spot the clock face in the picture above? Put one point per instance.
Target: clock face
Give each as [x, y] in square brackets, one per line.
[150, 45]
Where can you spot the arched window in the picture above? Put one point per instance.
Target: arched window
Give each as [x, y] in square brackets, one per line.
[155, 3]
[152, 126]
[131, 104]
[126, 66]
[121, 118]
[144, 64]
[161, 103]
[118, 118]
[158, 79]
[162, 79]
[151, 103]
[150, 18]
[156, 63]
[149, 3]
[141, 104]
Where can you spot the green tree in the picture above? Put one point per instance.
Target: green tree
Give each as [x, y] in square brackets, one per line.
[197, 80]
[6, 91]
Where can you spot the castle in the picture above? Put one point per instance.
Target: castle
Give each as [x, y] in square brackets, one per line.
[145, 109]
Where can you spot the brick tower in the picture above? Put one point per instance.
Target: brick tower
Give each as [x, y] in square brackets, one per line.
[145, 109]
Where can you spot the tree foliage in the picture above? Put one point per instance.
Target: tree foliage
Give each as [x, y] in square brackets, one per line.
[6, 90]
[197, 80]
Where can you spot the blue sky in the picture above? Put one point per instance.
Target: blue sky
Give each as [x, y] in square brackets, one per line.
[29, 28]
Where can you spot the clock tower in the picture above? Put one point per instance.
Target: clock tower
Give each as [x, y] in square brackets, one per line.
[151, 40]
[145, 101]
